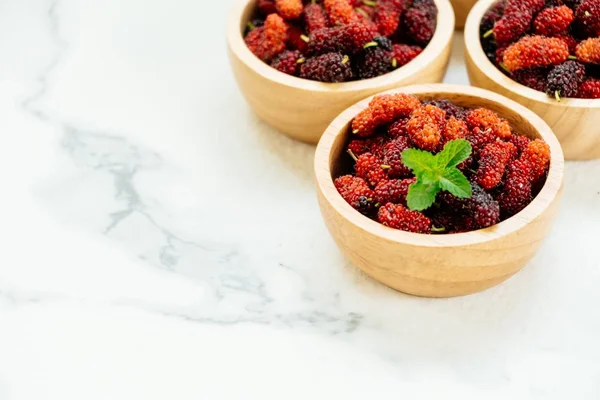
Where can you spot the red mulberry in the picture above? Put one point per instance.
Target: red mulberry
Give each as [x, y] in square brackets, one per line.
[553, 21]
[345, 39]
[588, 51]
[537, 154]
[590, 89]
[383, 109]
[398, 128]
[511, 26]
[266, 7]
[288, 62]
[516, 193]
[534, 78]
[520, 142]
[387, 17]
[269, 40]
[535, 51]
[492, 163]
[340, 12]
[393, 191]
[392, 157]
[370, 168]
[455, 129]
[402, 54]
[420, 24]
[356, 192]
[588, 17]
[315, 17]
[289, 9]
[479, 139]
[484, 119]
[425, 127]
[399, 217]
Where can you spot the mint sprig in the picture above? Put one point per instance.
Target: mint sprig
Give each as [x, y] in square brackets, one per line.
[437, 172]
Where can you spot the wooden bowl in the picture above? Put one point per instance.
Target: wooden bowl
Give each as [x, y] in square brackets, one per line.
[303, 108]
[576, 122]
[439, 265]
[461, 10]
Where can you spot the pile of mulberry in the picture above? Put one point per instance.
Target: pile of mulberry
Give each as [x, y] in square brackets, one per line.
[374, 37]
[551, 46]
[505, 170]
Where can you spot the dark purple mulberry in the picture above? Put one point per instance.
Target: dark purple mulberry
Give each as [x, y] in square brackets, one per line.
[330, 67]
[564, 79]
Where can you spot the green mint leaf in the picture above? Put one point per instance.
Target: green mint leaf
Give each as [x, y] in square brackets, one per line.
[419, 161]
[421, 196]
[455, 152]
[455, 182]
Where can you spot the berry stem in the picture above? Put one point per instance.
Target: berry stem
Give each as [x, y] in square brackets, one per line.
[385, 166]
[251, 25]
[300, 60]
[362, 12]
[572, 58]
[557, 96]
[370, 3]
[345, 59]
[504, 67]
[488, 33]
[394, 62]
[305, 38]
[435, 229]
[587, 14]
[370, 44]
[352, 155]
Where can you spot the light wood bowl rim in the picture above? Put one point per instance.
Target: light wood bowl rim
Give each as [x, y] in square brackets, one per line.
[442, 36]
[542, 201]
[473, 47]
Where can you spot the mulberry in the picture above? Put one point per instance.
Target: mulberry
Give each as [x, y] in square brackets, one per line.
[588, 17]
[269, 40]
[420, 24]
[588, 51]
[345, 39]
[340, 12]
[356, 192]
[537, 154]
[535, 51]
[315, 17]
[590, 89]
[492, 163]
[399, 217]
[289, 9]
[330, 67]
[392, 157]
[484, 119]
[402, 54]
[288, 62]
[425, 127]
[534, 78]
[553, 21]
[383, 109]
[370, 168]
[564, 79]
[393, 191]
[373, 62]
[516, 192]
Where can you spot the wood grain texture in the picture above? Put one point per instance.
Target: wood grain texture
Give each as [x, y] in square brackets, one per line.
[302, 108]
[461, 11]
[576, 122]
[440, 265]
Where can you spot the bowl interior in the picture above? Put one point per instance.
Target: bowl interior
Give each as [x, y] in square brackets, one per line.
[439, 43]
[475, 50]
[331, 162]
[339, 163]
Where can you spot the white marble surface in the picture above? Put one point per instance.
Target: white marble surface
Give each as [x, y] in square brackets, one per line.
[159, 242]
